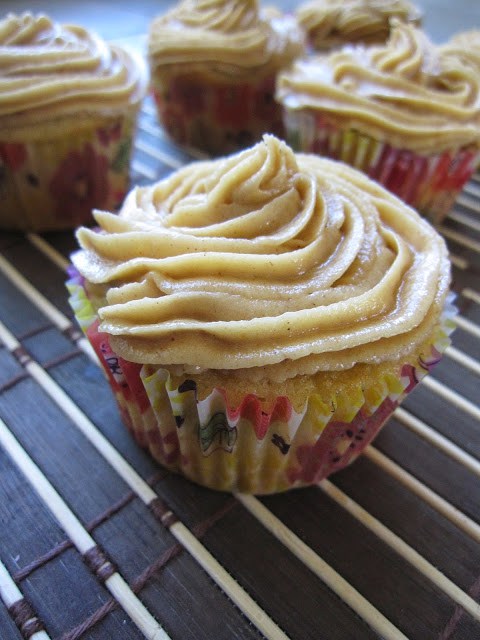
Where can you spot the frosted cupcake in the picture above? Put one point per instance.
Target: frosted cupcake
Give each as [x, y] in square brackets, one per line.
[329, 24]
[213, 67]
[68, 104]
[406, 113]
[261, 316]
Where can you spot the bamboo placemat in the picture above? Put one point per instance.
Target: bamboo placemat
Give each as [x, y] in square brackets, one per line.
[96, 541]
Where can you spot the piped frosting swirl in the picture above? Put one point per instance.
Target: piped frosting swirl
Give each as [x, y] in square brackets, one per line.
[278, 263]
[407, 92]
[233, 37]
[332, 23]
[57, 70]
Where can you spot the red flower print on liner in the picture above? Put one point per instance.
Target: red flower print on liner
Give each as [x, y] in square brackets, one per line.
[13, 155]
[232, 105]
[80, 184]
[109, 134]
[187, 96]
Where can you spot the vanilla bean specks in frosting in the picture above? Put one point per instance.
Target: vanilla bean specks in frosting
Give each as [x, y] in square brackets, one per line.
[408, 92]
[48, 69]
[278, 263]
[232, 36]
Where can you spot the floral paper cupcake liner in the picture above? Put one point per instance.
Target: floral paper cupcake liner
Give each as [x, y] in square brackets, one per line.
[217, 118]
[428, 183]
[250, 447]
[54, 183]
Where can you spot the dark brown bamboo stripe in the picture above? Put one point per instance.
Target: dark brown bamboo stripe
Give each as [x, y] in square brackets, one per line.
[200, 529]
[13, 381]
[90, 527]
[22, 355]
[25, 618]
[459, 612]
[162, 512]
[65, 357]
[35, 331]
[73, 333]
[97, 561]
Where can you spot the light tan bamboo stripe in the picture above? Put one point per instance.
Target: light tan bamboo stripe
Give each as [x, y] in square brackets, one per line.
[467, 221]
[222, 578]
[467, 325]
[472, 189]
[374, 618]
[459, 262]
[45, 306]
[10, 594]
[437, 440]
[149, 109]
[467, 202]
[462, 358]
[459, 519]
[452, 396]
[47, 249]
[460, 238]
[157, 154]
[151, 129]
[471, 294]
[82, 540]
[402, 548]
[143, 170]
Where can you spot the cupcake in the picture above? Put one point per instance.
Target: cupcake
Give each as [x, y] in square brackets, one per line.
[332, 23]
[406, 113]
[213, 67]
[68, 104]
[260, 316]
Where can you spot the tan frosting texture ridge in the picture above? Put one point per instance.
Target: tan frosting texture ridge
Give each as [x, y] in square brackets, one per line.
[331, 23]
[57, 70]
[407, 92]
[278, 263]
[232, 36]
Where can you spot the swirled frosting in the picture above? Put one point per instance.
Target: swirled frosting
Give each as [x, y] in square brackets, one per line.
[331, 23]
[49, 70]
[266, 261]
[406, 92]
[465, 48]
[231, 37]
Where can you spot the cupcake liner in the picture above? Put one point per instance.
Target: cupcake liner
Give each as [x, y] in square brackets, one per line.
[251, 447]
[429, 184]
[54, 183]
[217, 118]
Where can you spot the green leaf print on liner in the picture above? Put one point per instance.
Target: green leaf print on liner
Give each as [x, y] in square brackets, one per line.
[217, 434]
[122, 157]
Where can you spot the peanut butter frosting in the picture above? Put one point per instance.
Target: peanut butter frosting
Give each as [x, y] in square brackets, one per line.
[408, 92]
[266, 263]
[231, 37]
[332, 23]
[50, 71]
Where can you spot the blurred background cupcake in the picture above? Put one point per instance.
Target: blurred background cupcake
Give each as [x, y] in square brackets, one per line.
[332, 23]
[406, 113]
[68, 106]
[261, 316]
[213, 67]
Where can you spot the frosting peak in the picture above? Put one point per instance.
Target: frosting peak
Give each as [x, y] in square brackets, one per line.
[263, 260]
[408, 53]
